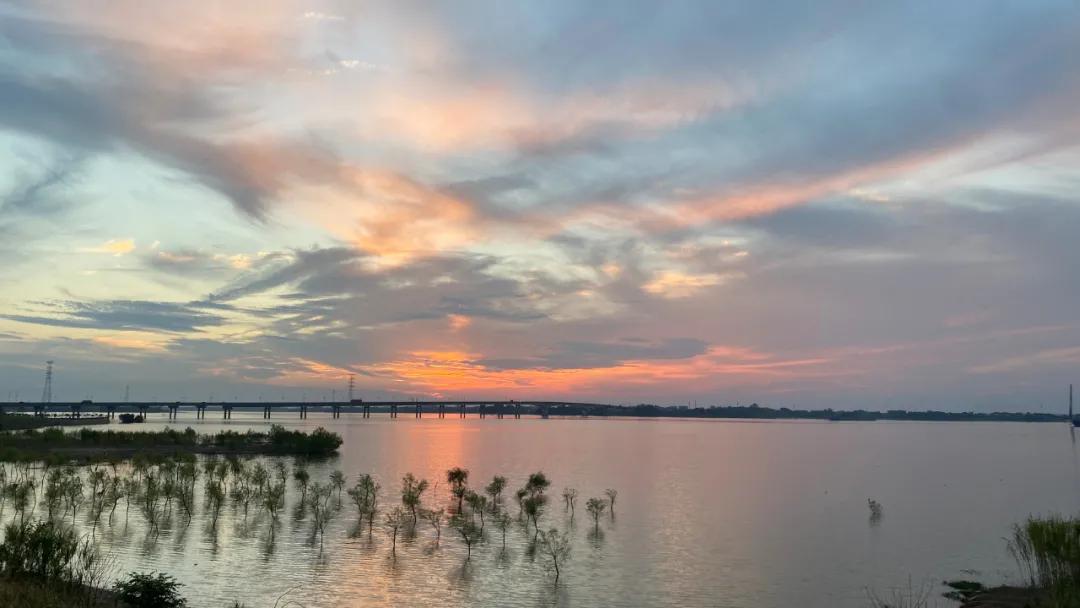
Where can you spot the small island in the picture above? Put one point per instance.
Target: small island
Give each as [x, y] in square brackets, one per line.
[92, 445]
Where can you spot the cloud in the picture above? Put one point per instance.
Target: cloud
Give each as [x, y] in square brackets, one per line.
[675, 284]
[582, 355]
[123, 315]
[454, 373]
[114, 247]
[1056, 358]
[675, 202]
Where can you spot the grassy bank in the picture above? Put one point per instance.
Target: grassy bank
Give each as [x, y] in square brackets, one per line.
[1047, 550]
[30, 593]
[96, 445]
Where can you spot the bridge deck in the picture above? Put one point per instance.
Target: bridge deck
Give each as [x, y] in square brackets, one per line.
[482, 408]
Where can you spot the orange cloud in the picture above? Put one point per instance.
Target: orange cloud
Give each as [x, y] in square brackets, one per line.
[449, 116]
[131, 343]
[389, 215]
[459, 322]
[115, 247]
[457, 373]
[673, 284]
[754, 200]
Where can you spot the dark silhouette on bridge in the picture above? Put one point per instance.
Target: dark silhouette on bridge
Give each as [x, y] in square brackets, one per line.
[481, 409]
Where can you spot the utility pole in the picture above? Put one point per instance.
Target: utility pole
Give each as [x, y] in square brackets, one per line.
[46, 392]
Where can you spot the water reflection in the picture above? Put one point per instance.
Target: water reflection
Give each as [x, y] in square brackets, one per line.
[709, 513]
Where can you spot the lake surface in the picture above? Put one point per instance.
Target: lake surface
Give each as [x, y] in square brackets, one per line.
[709, 513]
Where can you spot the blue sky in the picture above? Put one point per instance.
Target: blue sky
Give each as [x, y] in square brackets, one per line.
[827, 204]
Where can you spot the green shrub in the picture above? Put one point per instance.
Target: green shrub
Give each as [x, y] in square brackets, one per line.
[43, 550]
[1048, 552]
[150, 591]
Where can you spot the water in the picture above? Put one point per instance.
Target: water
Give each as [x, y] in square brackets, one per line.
[709, 513]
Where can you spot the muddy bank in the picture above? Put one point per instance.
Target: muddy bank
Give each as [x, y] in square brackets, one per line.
[22, 422]
[1002, 597]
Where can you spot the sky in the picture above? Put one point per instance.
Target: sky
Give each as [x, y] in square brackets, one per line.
[826, 204]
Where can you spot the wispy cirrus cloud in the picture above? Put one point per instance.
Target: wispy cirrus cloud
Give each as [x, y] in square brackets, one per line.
[123, 315]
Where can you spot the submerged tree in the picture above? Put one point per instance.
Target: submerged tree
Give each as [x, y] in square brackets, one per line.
[519, 497]
[494, 491]
[502, 521]
[365, 495]
[302, 478]
[395, 519]
[73, 492]
[537, 483]
[555, 546]
[569, 495]
[435, 518]
[54, 491]
[337, 481]
[478, 504]
[411, 491]
[467, 530]
[273, 500]
[215, 496]
[458, 478]
[281, 471]
[534, 507]
[319, 502]
[260, 477]
[596, 508]
[611, 495]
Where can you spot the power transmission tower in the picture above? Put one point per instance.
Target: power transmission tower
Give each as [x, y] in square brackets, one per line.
[46, 392]
[352, 385]
[127, 392]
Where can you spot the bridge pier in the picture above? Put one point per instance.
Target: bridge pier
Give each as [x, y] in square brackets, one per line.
[461, 411]
[173, 412]
[335, 411]
[442, 411]
[144, 411]
[481, 411]
[200, 411]
[76, 411]
[367, 411]
[110, 411]
[419, 411]
[393, 411]
[517, 411]
[303, 411]
[226, 412]
[266, 411]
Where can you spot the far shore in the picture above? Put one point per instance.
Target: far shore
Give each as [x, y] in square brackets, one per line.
[21, 422]
[563, 410]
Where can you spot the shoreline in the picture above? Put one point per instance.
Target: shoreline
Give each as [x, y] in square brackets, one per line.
[1004, 596]
[23, 422]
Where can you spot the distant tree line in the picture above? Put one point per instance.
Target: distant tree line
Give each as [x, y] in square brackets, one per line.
[755, 411]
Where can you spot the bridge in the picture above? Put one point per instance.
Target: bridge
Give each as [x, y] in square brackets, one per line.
[481, 409]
